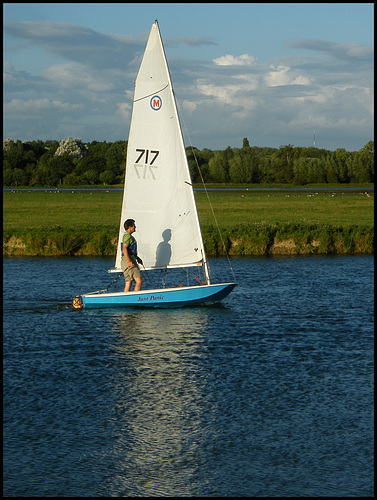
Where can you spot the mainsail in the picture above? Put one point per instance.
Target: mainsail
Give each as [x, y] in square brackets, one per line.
[158, 193]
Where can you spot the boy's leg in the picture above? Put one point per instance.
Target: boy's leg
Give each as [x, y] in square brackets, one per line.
[127, 286]
[139, 282]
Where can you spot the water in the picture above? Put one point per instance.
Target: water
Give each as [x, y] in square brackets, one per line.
[269, 394]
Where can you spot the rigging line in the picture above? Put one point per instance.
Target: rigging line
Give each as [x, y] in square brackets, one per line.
[154, 93]
[146, 276]
[105, 289]
[193, 275]
[209, 201]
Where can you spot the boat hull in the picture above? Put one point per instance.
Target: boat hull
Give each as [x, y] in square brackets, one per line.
[165, 297]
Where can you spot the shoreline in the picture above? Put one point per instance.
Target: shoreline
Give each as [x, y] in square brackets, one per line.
[256, 241]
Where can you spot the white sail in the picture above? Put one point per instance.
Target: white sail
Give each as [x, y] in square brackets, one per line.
[158, 193]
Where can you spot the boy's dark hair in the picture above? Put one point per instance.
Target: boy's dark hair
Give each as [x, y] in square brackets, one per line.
[128, 223]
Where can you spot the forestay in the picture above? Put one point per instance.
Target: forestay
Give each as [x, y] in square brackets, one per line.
[158, 193]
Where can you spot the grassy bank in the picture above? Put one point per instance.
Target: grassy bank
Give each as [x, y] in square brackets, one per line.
[251, 223]
[289, 239]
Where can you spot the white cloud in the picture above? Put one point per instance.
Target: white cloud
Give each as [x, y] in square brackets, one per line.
[233, 94]
[7, 71]
[229, 60]
[283, 75]
[38, 105]
[74, 75]
[124, 109]
[189, 106]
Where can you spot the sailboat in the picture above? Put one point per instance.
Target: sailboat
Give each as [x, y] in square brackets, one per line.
[158, 195]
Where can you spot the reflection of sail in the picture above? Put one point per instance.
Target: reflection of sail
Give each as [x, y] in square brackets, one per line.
[158, 401]
[163, 252]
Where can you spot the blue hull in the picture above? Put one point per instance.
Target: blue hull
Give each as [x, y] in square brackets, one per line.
[165, 297]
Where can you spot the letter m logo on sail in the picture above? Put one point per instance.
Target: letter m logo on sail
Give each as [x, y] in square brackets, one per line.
[156, 102]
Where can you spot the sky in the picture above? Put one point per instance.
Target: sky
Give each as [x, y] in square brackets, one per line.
[275, 73]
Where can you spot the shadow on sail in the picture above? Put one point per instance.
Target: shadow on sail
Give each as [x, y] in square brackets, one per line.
[163, 252]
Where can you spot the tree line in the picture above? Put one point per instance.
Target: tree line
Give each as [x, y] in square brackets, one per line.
[71, 162]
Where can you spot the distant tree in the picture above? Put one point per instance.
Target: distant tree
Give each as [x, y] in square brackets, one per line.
[308, 171]
[72, 179]
[219, 167]
[91, 176]
[245, 143]
[46, 174]
[51, 146]
[13, 154]
[107, 177]
[361, 164]
[341, 157]
[192, 158]
[266, 171]
[63, 165]
[115, 157]
[286, 153]
[19, 177]
[37, 147]
[285, 172]
[368, 148]
[7, 177]
[94, 162]
[367, 157]
[239, 169]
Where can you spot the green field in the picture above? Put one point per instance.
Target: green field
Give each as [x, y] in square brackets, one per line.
[281, 207]
[77, 210]
[94, 216]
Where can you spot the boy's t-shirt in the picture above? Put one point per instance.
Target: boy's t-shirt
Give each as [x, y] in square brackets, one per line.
[130, 241]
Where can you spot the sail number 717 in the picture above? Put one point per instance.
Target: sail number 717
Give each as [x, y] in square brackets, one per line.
[144, 163]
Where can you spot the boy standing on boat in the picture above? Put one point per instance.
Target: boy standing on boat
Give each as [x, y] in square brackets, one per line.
[130, 259]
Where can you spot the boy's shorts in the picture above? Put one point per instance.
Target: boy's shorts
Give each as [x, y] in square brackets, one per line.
[130, 273]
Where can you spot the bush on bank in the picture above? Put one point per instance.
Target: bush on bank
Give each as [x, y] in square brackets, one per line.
[242, 239]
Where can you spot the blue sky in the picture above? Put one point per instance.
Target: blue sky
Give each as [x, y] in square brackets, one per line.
[273, 73]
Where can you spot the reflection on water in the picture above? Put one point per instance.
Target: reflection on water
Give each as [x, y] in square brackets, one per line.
[157, 395]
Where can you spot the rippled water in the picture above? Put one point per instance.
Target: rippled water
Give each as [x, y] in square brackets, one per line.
[269, 394]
